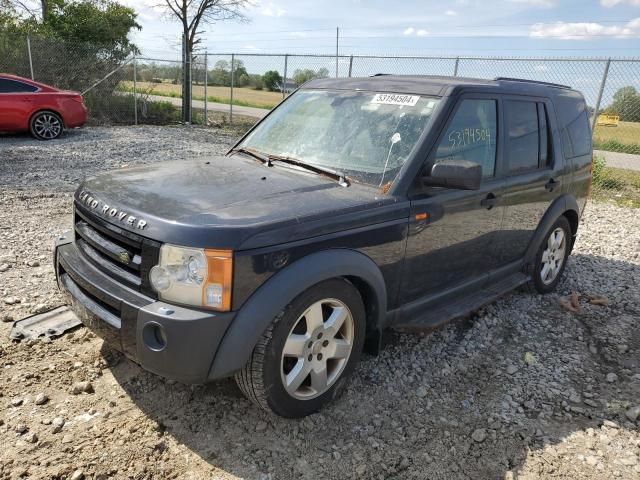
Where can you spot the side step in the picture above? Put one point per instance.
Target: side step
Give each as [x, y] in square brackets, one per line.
[443, 312]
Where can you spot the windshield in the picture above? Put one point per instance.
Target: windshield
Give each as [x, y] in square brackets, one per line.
[366, 136]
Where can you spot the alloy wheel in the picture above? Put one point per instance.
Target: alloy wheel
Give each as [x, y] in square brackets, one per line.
[317, 349]
[47, 126]
[553, 256]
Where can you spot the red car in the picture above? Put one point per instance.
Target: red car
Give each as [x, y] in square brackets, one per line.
[44, 111]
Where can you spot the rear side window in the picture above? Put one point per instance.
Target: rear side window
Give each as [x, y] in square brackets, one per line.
[471, 135]
[580, 135]
[12, 86]
[523, 146]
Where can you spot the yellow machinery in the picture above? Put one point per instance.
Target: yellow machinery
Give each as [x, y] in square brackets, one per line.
[606, 120]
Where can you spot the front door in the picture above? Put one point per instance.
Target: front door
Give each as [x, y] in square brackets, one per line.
[454, 245]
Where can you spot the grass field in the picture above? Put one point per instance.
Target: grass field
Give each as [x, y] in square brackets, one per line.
[615, 184]
[623, 138]
[245, 97]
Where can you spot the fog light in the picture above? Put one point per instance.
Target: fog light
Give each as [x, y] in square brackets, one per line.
[159, 278]
[154, 337]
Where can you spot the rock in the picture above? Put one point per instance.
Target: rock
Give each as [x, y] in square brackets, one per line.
[6, 318]
[4, 267]
[622, 348]
[591, 403]
[612, 377]
[421, 392]
[33, 263]
[31, 438]
[67, 439]
[511, 369]
[41, 399]
[261, 426]
[11, 300]
[82, 387]
[529, 359]
[633, 413]
[57, 424]
[39, 308]
[336, 455]
[21, 429]
[479, 435]
[591, 460]
[77, 475]
[610, 424]
[16, 402]
[361, 469]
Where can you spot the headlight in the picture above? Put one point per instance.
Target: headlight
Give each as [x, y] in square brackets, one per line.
[192, 276]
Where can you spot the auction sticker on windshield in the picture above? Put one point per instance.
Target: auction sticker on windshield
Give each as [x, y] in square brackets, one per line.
[395, 99]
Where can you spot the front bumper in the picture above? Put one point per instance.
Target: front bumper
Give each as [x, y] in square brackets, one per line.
[171, 341]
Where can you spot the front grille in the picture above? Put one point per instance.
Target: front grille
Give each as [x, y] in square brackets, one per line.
[120, 254]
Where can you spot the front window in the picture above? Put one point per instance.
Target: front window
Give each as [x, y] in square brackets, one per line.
[367, 136]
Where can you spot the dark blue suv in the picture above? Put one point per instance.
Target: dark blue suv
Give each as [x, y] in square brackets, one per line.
[356, 205]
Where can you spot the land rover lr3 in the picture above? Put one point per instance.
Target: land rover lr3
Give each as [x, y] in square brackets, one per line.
[356, 205]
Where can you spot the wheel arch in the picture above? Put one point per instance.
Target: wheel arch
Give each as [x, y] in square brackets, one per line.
[565, 205]
[275, 294]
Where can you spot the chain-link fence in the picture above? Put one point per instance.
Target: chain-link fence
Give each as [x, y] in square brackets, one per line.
[123, 89]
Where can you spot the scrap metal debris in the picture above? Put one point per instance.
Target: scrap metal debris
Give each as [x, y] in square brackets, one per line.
[570, 303]
[49, 324]
[598, 300]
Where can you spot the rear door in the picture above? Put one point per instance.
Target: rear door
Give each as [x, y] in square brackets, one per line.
[16, 104]
[534, 172]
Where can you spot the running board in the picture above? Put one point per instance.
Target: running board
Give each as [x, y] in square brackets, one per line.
[436, 315]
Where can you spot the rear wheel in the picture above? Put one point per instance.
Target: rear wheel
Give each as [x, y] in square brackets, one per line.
[46, 125]
[302, 360]
[551, 258]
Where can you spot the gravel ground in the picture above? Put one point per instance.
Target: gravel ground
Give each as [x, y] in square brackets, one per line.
[525, 388]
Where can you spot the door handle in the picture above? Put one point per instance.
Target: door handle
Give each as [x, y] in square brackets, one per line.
[489, 201]
[551, 185]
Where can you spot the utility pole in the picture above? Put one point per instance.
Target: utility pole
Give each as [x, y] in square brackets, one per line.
[337, 48]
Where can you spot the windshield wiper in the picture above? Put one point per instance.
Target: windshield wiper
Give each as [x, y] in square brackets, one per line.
[263, 157]
[342, 179]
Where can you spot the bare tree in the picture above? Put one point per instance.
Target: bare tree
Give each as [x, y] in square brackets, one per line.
[29, 7]
[194, 14]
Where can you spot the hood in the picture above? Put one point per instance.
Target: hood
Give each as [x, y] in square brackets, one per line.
[218, 202]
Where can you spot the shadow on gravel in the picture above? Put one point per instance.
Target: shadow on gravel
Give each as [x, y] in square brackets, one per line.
[490, 396]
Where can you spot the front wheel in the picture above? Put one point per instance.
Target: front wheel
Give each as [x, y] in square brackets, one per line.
[302, 360]
[46, 125]
[551, 258]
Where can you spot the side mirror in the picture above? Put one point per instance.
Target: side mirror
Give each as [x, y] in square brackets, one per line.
[460, 174]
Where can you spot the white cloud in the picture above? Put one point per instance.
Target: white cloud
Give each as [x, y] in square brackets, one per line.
[538, 3]
[584, 31]
[409, 31]
[272, 10]
[451, 13]
[613, 3]
[252, 48]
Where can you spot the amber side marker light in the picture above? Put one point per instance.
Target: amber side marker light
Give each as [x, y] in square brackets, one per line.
[421, 216]
[216, 292]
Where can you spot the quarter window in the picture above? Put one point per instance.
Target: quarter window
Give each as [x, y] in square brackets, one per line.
[471, 135]
[523, 147]
[12, 86]
[580, 135]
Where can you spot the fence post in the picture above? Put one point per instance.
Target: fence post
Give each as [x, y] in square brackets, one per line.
[350, 65]
[206, 84]
[600, 92]
[30, 57]
[233, 64]
[135, 90]
[455, 67]
[284, 79]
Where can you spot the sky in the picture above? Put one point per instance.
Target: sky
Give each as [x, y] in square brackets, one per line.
[523, 28]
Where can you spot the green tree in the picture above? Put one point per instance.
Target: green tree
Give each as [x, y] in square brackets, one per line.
[301, 76]
[626, 104]
[272, 80]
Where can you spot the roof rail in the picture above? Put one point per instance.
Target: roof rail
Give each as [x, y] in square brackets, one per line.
[538, 82]
[380, 74]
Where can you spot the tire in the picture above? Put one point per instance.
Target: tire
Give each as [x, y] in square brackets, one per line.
[46, 125]
[551, 257]
[290, 384]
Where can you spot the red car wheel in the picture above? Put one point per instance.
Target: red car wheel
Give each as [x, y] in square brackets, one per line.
[46, 125]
